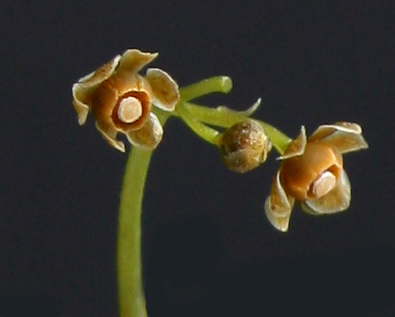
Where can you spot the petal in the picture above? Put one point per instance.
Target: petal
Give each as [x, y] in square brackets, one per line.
[149, 135]
[308, 210]
[101, 74]
[124, 82]
[165, 89]
[109, 135]
[278, 205]
[281, 223]
[296, 147]
[133, 60]
[82, 111]
[345, 136]
[86, 86]
[81, 100]
[335, 201]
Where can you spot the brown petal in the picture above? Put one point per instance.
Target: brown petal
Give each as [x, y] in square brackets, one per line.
[133, 60]
[109, 135]
[165, 89]
[104, 99]
[82, 95]
[101, 74]
[149, 135]
[83, 90]
[345, 136]
[335, 201]
[123, 82]
[296, 147]
[278, 205]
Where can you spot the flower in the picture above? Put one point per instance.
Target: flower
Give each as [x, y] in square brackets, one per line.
[121, 100]
[244, 146]
[312, 173]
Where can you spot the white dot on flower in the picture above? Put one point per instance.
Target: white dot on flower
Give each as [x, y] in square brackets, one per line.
[323, 184]
[130, 109]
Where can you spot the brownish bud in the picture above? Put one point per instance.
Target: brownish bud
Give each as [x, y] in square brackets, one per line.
[244, 146]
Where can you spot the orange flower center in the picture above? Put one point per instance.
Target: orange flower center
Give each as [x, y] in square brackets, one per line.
[314, 173]
[130, 109]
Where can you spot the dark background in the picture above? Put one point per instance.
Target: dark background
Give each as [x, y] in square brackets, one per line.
[208, 249]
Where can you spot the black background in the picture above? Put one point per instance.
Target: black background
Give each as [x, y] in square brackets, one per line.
[208, 249]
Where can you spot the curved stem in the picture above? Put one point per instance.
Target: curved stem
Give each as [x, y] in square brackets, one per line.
[129, 272]
[221, 84]
[130, 284]
[205, 132]
[130, 289]
[129, 265]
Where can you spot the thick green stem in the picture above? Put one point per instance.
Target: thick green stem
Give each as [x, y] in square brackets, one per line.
[130, 289]
[221, 84]
[205, 132]
[129, 265]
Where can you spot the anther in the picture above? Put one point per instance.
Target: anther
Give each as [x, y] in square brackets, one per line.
[323, 184]
[130, 109]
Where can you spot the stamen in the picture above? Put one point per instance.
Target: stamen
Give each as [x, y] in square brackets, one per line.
[130, 109]
[323, 184]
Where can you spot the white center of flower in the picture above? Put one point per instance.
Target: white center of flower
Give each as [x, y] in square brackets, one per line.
[130, 109]
[323, 184]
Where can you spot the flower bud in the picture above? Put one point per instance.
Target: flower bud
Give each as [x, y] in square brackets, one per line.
[244, 146]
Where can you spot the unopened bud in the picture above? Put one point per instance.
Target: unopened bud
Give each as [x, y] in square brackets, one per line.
[244, 146]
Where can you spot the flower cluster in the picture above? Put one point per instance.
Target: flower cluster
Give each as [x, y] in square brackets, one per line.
[121, 99]
[312, 173]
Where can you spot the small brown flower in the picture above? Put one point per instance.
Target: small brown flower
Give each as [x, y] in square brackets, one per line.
[312, 173]
[244, 146]
[121, 99]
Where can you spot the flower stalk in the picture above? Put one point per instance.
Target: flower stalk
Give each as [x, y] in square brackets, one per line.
[130, 286]
[204, 87]
[205, 132]
[131, 297]
[122, 100]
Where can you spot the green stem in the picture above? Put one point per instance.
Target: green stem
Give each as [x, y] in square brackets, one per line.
[130, 289]
[205, 132]
[221, 84]
[129, 265]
